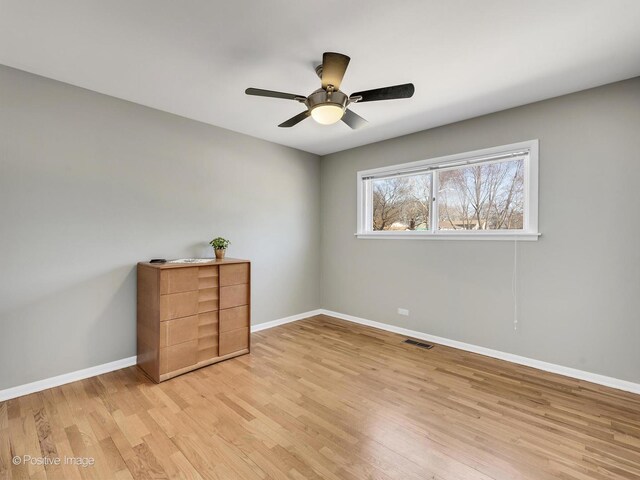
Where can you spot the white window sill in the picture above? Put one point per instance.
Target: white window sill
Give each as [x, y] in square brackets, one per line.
[520, 236]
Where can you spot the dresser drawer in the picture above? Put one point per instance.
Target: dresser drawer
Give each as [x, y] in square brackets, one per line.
[180, 330]
[178, 356]
[234, 296]
[208, 323]
[178, 305]
[208, 271]
[233, 341]
[207, 348]
[207, 277]
[176, 280]
[207, 300]
[234, 274]
[207, 282]
[233, 318]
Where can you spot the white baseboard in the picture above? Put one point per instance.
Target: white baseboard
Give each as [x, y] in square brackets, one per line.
[282, 321]
[58, 380]
[63, 379]
[509, 357]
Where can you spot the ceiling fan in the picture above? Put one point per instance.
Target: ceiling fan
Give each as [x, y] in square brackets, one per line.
[329, 104]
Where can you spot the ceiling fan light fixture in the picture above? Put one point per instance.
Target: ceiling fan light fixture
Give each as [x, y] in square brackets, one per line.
[327, 114]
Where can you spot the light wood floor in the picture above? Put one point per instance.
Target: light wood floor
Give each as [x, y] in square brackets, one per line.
[327, 399]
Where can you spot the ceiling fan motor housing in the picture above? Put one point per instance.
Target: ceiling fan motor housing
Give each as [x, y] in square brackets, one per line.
[324, 97]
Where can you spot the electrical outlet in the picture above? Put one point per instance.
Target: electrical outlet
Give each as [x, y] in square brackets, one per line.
[403, 311]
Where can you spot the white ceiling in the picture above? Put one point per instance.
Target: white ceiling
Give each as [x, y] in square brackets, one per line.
[195, 58]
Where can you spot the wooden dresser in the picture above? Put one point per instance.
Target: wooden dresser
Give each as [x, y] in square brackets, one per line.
[192, 315]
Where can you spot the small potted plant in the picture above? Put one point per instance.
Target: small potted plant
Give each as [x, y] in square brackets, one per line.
[220, 245]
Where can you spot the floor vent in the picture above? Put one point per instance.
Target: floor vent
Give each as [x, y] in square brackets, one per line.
[418, 344]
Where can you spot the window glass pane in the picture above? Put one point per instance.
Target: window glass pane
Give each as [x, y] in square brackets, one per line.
[482, 197]
[402, 203]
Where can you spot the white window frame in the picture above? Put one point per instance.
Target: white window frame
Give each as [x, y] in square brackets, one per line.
[530, 224]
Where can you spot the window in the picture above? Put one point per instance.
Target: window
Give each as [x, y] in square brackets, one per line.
[486, 194]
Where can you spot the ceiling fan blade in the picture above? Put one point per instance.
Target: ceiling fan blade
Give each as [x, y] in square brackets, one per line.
[386, 93]
[295, 120]
[354, 120]
[270, 93]
[333, 67]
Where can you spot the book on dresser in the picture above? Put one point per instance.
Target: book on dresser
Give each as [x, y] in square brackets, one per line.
[192, 315]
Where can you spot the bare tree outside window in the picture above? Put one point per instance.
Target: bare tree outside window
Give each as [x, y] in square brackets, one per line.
[482, 197]
[402, 203]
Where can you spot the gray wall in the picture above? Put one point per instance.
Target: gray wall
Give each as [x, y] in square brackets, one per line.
[579, 285]
[90, 185]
